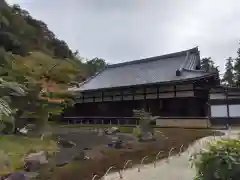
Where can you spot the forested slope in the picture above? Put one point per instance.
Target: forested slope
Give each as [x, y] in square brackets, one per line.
[30, 51]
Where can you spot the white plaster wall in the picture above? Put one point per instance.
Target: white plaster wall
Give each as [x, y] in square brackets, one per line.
[185, 94]
[218, 110]
[234, 110]
[217, 96]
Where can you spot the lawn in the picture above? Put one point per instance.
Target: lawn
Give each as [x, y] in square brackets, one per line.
[13, 148]
[117, 157]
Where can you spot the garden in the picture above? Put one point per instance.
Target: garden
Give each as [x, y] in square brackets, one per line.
[62, 152]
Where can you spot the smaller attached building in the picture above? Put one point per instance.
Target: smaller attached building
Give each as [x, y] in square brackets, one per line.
[224, 106]
[171, 86]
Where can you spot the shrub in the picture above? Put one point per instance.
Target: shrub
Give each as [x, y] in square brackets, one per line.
[221, 161]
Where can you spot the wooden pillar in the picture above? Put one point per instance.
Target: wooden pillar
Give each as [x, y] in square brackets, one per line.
[122, 95]
[102, 94]
[228, 115]
[145, 99]
[175, 91]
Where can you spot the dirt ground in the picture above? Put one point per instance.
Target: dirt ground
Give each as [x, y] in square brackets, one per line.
[84, 139]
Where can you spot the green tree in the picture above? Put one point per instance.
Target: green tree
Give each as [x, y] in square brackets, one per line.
[208, 65]
[95, 65]
[228, 76]
[237, 68]
[9, 90]
[205, 64]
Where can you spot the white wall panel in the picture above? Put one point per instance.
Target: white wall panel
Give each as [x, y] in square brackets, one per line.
[117, 98]
[98, 99]
[107, 99]
[234, 110]
[138, 97]
[88, 100]
[217, 96]
[218, 110]
[130, 97]
[166, 95]
[151, 96]
[166, 88]
[185, 94]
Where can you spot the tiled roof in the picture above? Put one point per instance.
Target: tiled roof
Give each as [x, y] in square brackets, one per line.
[158, 69]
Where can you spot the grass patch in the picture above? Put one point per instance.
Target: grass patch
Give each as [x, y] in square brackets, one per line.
[117, 157]
[15, 147]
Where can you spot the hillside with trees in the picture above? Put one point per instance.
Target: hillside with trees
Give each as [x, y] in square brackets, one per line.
[35, 69]
[29, 50]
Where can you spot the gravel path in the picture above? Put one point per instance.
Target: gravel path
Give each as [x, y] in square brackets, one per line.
[178, 167]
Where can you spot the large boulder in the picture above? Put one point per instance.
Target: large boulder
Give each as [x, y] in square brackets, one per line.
[33, 161]
[16, 176]
[146, 137]
[81, 155]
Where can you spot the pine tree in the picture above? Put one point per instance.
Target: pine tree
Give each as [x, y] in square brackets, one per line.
[228, 76]
[237, 68]
[205, 64]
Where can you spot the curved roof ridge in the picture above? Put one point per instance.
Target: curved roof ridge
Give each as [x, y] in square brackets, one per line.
[155, 58]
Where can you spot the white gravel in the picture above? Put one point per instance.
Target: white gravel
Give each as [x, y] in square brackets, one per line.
[178, 167]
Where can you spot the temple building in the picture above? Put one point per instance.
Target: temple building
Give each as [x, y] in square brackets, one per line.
[170, 86]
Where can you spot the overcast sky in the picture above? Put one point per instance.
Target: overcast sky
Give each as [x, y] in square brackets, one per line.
[123, 30]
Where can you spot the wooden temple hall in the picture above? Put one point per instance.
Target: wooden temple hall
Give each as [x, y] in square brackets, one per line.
[171, 86]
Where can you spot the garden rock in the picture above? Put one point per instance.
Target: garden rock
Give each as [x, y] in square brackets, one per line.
[146, 137]
[32, 165]
[16, 176]
[116, 143]
[112, 130]
[65, 143]
[33, 161]
[100, 132]
[80, 156]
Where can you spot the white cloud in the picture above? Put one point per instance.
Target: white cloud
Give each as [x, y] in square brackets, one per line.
[131, 29]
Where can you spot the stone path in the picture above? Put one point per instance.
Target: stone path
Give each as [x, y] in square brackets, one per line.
[178, 167]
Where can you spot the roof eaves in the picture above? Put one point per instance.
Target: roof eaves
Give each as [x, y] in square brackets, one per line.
[180, 81]
[90, 78]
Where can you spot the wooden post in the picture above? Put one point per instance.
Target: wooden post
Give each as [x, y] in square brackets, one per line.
[228, 116]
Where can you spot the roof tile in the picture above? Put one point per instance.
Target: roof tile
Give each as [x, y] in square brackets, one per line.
[147, 71]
